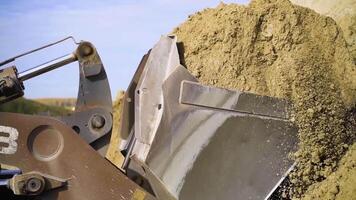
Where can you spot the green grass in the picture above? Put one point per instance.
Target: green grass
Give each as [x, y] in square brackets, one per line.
[68, 103]
[26, 106]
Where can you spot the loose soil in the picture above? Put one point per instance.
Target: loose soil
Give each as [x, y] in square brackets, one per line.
[113, 153]
[340, 185]
[342, 11]
[279, 49]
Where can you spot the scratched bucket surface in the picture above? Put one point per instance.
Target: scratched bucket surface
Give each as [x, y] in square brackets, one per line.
[199, 142]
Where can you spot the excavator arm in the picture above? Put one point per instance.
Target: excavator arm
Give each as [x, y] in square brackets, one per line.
[61, 158]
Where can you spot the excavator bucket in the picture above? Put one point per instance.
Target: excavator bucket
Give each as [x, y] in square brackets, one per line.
[190, 141]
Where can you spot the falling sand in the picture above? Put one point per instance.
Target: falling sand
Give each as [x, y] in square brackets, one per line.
[279, 49]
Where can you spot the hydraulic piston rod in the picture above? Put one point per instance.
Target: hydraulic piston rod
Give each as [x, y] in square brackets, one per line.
[46, 67]
[11, 81]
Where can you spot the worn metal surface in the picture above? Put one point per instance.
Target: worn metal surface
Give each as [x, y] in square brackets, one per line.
[94, 95]
[34, 183]
[94, 99]
[82, 123]
[50, 147]
[233, 100]
[128, 109]
[94, 88]
[147, 110]
[208, 143]
[149, 97]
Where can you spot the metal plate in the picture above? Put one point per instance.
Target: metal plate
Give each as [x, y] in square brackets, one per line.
[213, 153]
[197, 94]
[205, 142]
[50, 147]
[128, 108]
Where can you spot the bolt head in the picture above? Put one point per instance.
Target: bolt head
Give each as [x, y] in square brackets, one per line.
[98, 121]
[85, 50]
[34, 185]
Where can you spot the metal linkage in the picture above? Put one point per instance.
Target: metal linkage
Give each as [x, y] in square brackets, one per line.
[10, 86]
[92, 118]
[29, 184]
[11, 81]
[37, 49]
[46, 67]
[34, 183]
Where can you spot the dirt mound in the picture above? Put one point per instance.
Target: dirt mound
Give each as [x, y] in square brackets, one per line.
[342, 11]
[279, 49]
[340, 185]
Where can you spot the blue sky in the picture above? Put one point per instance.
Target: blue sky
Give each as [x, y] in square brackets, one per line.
[122, 31]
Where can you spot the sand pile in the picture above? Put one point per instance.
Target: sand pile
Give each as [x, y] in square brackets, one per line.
[279, 49]
[340, 185]
[342, 11]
